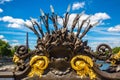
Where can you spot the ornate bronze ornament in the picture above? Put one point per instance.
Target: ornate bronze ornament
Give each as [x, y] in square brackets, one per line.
[83, 66]
[38, 65]
[61, 54]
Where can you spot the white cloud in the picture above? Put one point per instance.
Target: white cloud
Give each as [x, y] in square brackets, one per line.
[1, 10]
[100, 15]
[5, 40]
[15, 44]
[78, 5]
[105, 32]
[97, 17]
[15, 41]
[13, 22]
[16, 22]
[114, 29]
[112, 41]
[14, 25]
[3, 1]
[1, 36]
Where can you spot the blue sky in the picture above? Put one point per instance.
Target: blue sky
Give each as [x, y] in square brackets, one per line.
[14, 13]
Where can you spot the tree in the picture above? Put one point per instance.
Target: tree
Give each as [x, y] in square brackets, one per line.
[116, 49]
[13, 50]
[5, 48]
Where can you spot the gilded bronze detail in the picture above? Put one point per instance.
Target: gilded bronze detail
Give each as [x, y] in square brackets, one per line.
[83, 66]
[38, 65]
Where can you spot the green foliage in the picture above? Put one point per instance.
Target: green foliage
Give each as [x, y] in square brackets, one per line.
[13, 50]
[5, 48]
[116, 50]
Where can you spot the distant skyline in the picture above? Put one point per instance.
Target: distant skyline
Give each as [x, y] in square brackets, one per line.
[14, 13]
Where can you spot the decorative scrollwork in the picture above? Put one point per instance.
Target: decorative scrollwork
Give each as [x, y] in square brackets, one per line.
[103, 51]
[38, 65]
[21, 65]
[21, 50]
[83, 66]
[115, 59]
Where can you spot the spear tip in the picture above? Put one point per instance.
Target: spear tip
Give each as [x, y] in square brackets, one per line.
[42, 13]
[52, 9]
[68, 9]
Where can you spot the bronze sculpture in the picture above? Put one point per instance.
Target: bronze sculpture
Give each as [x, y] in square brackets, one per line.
[61, 54]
